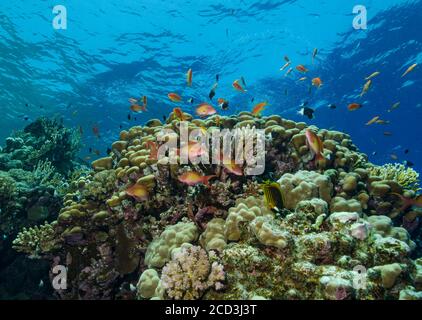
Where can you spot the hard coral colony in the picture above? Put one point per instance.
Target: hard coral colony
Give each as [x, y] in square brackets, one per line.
[132, 228]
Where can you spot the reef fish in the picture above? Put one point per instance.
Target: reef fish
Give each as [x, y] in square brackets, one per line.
[301, 68]
[137, 108]
[153, 148]
[193, 149]
[174, 97]
[394, 106]
[287, 64]
[179, 114]
[410, 69]
[373, 75]
[372, 121]
[233, 167]
[205, 109]
[189, 77]
[272, 195]
[96, 131]
[366, 87]
[316, 82]
[259, 107]
[314, 54]
[192, 178]
[138, 191]
[223, 104]
[307, 112]
[315, 144]
[354, 106]
[238, 86]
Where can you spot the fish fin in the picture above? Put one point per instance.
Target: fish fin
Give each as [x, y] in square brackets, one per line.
[206, 179]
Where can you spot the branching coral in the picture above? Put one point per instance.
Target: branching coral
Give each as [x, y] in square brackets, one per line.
[404, 176]
[190, 273]
[37, 240]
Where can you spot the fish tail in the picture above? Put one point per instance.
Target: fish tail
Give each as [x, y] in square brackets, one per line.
[206, 179]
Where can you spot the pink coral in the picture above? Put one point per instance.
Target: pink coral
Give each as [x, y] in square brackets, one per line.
[190, 274]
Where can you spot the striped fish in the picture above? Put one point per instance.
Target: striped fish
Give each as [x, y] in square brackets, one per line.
[272, 195]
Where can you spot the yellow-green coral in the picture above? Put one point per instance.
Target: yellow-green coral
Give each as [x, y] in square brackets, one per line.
[37, 240]
[405, 177]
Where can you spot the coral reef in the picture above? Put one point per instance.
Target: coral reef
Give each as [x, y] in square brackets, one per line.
[37, 166]
[132, 223]
[404, 176]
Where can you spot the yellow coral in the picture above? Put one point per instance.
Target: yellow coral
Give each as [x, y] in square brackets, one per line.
[405, 177]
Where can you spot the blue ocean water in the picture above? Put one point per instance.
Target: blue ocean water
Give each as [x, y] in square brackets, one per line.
[114, 50]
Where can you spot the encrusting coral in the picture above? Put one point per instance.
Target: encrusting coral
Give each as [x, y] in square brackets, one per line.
[132, 228]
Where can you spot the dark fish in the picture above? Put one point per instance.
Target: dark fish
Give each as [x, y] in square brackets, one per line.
[332, 106]
[307, 112]
[108, 150]
[120, 126]
[25, 118]
[217, 77]
[243, 81]
[135, 118]
[406, 151]
[26, 105]
[129, 116]
[387, 133]
[90, 150]
[164, 118]
[224, 105]
[253, 99]
[286, 92]
[190, 100]
[408, 163]
[374, 153]
[211, 94]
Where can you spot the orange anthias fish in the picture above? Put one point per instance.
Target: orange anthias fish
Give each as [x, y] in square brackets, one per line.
[232, 167]
[205, 109]
[315, 144]
[410, 69]
[179, 114]
[152, 146]
[174, 97]
[96, 131]
[193, 148]
[192, 178]
[354, 106]
[409, 202]
[138, 191]
[372, 121]
[258, 108]
[189, 77]
[316, 82]
[136, 108]
[238, 87]
[301, 68]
